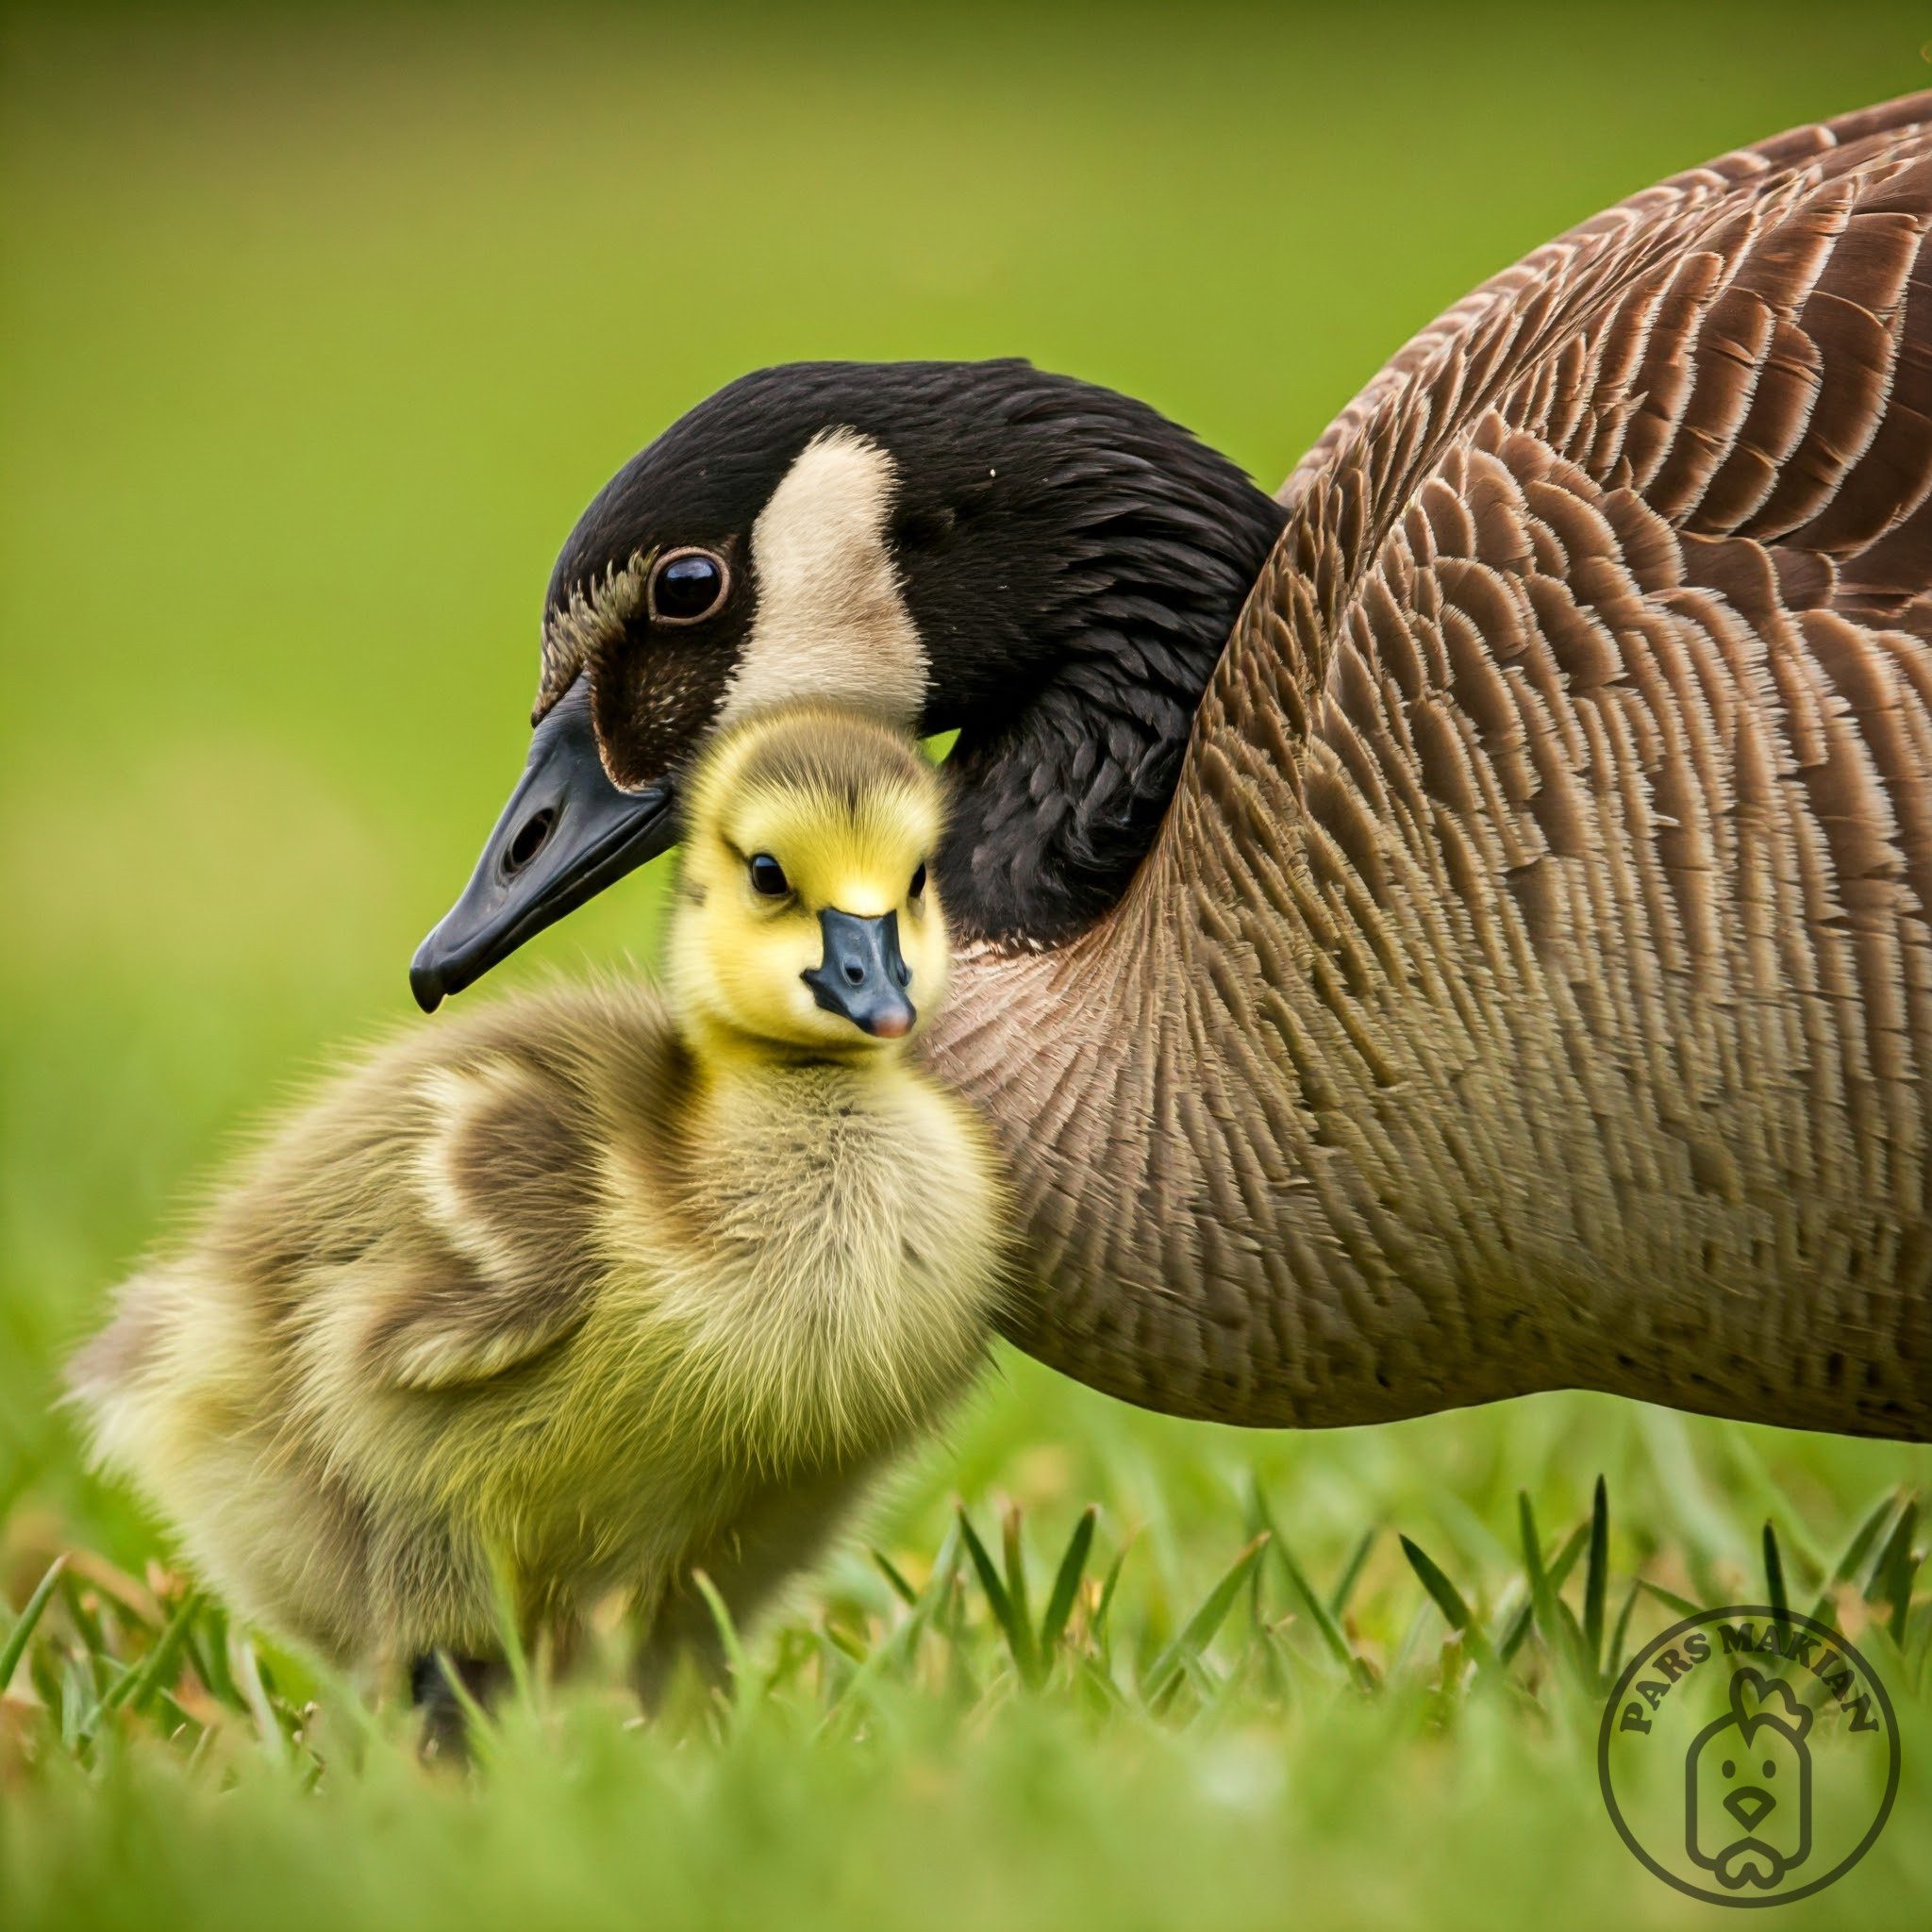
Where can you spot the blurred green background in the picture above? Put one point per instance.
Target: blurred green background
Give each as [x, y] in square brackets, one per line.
[317, 329]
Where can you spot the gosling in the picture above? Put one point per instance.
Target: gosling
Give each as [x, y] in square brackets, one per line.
[588, 1290]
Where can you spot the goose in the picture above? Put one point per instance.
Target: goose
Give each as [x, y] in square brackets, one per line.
[1456, 928]
[595, 1288]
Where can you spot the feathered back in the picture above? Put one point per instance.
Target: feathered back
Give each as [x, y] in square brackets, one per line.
[1532, 983]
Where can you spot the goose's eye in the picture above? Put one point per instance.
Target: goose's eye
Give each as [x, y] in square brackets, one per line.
[688, 586]
[768, 877]
[917, 885]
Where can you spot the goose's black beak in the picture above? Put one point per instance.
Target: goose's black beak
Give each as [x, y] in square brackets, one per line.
[862, 974]
[566, 833]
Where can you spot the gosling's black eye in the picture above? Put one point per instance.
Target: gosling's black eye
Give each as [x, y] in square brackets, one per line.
[688, 586]
[768, 877]
[917, 885]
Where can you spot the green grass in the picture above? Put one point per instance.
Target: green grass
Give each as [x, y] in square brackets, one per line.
[1008, 1724]
[314, 335]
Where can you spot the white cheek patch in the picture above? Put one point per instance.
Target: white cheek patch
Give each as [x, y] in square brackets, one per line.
[832, 622]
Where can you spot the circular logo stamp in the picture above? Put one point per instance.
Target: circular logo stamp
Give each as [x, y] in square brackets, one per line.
[1749, 1757]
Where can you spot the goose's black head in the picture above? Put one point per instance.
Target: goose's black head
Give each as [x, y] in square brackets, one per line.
[1048, 568]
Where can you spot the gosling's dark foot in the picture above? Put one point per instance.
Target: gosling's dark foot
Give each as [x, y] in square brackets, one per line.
[445, 1721]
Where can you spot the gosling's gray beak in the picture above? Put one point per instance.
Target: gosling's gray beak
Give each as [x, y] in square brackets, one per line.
[862, 974]
[566, 833]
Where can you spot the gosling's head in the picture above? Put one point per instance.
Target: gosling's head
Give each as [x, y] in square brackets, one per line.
[806, 915]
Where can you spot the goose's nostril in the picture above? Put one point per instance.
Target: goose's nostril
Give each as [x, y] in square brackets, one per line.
[532, 835]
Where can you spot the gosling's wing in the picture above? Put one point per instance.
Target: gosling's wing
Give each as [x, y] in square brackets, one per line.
[441, 1214]
[423, 1219]
[499, 1259]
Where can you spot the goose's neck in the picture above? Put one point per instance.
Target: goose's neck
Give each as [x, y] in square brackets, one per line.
[1059, 786]
[1052, 813]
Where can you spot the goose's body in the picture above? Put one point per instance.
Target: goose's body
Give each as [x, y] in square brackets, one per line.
[1520, 976]
[583, 1285]
[1544, 918]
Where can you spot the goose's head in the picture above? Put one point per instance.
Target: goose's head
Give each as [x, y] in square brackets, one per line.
[807, 914]
[1046, 567]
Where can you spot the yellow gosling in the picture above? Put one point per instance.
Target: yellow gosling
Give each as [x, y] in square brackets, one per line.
[585, 1289]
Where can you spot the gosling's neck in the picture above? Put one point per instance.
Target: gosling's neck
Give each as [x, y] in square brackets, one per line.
[728, 1062]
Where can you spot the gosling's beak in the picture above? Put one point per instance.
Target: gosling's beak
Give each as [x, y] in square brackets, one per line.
[862, 974]
[566, 833]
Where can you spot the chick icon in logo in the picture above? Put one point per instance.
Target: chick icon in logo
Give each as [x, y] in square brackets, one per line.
[1749, 1756]
[1747, 1786]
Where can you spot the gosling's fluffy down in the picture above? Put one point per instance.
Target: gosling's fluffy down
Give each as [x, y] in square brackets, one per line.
[578, 1285]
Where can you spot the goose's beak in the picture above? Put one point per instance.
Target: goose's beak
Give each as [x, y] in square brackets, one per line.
[566, 833]
[863, 976]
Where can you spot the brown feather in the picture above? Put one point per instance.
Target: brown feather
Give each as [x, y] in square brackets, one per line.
[1532, 984]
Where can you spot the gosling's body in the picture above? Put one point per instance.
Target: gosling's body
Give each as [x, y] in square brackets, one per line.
[575, 1287]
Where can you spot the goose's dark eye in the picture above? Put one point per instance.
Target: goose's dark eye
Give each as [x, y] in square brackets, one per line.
[768, 877]
[917, 885]
[688, 586]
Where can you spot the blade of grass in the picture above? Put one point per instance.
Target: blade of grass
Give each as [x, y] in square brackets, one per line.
[1572, 1639]
[478, 1734]
[1541, 1597]
[901, 1588]
[78, 1706]
[509, 1624]
[1775, 1582]
[136, 1688]
[1019, 1636]
[1255, 1515]
[255, 1695]
[1015, 1553]
[1448, 1599]
[1560, 1567]
[1671, 1600]
[1613, 1662]
[15, 1648]
[1351, 1574]
[1320, 1615]
[905, 1640]
[1066, 1582]
[208, 1646]
[1101, 1635]
[728, 1634]
[1868, 1533]
[1554, 1617]
[86, 1625]
[1891, 1576]
[842, 1641]
[1198, 1632]
[1596, 1575]
[1420, 1616]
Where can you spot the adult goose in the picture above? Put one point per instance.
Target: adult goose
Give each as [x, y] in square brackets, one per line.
[1462, 928]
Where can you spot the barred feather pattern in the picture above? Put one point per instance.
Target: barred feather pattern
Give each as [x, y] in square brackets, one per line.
[1532, 983]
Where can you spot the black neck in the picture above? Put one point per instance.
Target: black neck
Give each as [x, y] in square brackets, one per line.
[1060, 783]
[1051, 814]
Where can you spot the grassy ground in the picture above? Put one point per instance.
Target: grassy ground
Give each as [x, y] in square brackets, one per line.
[314, 336]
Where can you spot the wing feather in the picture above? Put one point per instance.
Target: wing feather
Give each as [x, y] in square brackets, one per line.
[1532, 982]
